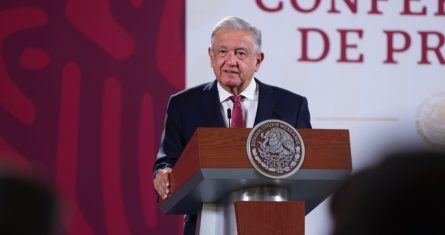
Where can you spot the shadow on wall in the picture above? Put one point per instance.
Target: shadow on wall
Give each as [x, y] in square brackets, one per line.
[402, 194]
[27, 206]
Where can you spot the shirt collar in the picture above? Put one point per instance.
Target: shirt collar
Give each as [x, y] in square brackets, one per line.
[248, 93]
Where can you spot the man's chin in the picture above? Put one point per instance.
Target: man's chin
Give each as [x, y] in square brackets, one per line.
[231, 81]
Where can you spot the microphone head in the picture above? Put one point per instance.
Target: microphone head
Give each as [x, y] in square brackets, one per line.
[229, 113]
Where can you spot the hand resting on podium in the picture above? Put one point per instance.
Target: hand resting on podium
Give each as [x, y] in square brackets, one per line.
[161, 182]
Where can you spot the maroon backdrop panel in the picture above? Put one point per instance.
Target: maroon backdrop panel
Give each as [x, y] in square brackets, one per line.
[84, 85]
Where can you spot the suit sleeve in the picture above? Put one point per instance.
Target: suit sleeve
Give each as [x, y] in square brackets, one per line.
[172, 140]
[304, 117]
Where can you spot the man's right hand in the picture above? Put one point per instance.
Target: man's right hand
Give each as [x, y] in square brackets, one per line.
[161, 182]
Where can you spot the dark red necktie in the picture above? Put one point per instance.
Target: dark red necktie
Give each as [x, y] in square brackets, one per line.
[237, 113]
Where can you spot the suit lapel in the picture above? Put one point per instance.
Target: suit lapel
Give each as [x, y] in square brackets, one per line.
[266, 103]
[214, 108]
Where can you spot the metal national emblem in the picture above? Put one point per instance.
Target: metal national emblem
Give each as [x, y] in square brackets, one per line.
[275, 149]
[430, 121]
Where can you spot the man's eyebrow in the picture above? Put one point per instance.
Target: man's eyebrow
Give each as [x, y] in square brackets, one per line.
[241, 49]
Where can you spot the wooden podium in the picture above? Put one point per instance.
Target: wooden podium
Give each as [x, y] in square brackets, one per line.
[214, 169]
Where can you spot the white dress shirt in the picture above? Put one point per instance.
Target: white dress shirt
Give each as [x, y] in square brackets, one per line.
[249, 102]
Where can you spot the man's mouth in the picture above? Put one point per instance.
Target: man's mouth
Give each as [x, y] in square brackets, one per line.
[231, 71]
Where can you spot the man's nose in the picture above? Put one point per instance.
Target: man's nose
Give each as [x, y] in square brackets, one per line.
[231, 58]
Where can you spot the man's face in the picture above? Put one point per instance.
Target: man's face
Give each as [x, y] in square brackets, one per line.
[233, 59]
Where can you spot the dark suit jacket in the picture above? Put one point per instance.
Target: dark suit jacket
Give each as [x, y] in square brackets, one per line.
[200, 107]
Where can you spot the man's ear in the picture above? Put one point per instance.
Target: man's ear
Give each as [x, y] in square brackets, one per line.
[261, 57]
[210, 51]
[259, 60]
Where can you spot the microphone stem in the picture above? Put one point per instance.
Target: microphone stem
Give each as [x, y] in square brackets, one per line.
[229, 115]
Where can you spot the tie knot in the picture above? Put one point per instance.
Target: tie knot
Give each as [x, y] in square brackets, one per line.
[235, 98]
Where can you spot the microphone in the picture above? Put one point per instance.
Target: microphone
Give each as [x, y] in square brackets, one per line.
[229, 115]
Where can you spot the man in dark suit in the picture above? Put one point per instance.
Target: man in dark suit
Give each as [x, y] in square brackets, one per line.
[235, 55]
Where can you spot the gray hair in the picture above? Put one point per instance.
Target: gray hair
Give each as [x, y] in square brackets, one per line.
[235, 23]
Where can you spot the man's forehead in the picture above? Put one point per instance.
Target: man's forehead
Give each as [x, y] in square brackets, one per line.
[234, 37]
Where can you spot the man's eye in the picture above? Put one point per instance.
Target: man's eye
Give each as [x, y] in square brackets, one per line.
[241, 54]
[222, 52]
